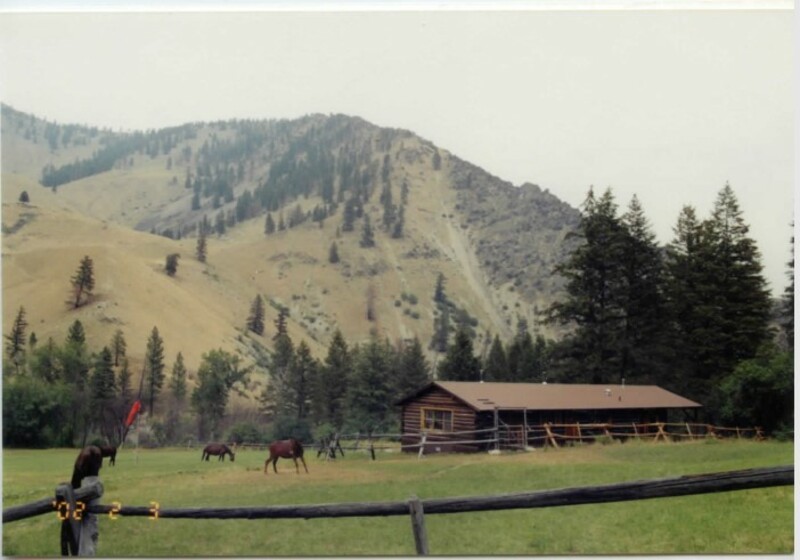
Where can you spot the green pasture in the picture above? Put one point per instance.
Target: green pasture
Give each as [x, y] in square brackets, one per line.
[751, 521]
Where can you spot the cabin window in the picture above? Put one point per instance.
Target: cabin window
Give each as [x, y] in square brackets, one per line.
[437, 419]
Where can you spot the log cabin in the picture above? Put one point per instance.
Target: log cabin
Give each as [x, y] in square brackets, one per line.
[450, 411]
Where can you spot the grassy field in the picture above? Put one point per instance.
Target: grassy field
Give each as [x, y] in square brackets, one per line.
[752, 521]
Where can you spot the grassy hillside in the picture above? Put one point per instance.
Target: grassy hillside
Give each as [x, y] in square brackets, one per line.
[494, 243]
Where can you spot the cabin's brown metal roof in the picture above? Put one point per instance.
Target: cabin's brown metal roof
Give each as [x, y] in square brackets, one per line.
[562, 396]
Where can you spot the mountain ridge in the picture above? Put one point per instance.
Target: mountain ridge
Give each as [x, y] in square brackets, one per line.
[496, 244]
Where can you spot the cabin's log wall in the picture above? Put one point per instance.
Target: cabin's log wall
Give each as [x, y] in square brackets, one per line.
[411, 423]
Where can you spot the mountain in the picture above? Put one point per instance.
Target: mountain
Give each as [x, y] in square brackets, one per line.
[129, 199]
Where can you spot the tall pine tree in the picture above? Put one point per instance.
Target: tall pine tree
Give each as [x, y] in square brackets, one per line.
[594, 295]
[644, 344]
[332, 382]
[154, 368]
[460, 363]
[413, 370]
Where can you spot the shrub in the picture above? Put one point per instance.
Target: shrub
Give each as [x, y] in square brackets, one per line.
[245, 432]
[604, 440]
[286, 427]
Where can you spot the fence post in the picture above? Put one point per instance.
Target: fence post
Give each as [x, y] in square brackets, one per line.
[90, 532]
[496, 430]
[422, 445]
[418, 525]
[70, 528]
[525, 428]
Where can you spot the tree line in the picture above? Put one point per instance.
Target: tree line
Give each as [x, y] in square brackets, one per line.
[694, 317]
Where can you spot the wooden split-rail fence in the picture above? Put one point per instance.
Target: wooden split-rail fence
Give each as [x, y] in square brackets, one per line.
[81, 507]
[517, 437]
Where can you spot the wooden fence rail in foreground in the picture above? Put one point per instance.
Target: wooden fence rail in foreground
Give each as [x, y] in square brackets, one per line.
[625, 491]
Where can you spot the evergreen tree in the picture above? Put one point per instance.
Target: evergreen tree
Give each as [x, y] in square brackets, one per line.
[202, 248]
[103, 383]
[742, 287]
[24, 198]
[124, 383]
[118, 346]
[399, 224]
[154, 368]
[76, 334]
[460, 363]
[686, 289]
[220, 223]
[369, 392]
[717, 296]
[15, 345]
[788, 304]
[281, 328]
[103, 393]
[594, 294]
[177, 382]
[496, 366]
[269, 225]
[74, 358]
[277, 397]
[74, 364]
[441, 330]
[302, 380]
[367, 234]
[523, 363]
[413, 372]
[333, 254]
[644, 344]
[82, 282]
[171, 265]
[332, 381]
[255, 322]
[439, 295]
[349, 215]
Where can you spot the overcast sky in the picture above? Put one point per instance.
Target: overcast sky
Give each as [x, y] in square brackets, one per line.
[664, 104]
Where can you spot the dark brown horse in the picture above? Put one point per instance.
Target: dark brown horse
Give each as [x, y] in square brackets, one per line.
[285, 449]
[88, 463]
[109, 451]
[217, 449]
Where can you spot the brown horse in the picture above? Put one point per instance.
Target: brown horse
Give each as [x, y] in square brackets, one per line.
[217, 449]
[109, 451]
[285, 449]
[88, 463]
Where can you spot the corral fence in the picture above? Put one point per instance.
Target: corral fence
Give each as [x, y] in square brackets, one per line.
[517, 437]
[80, 508]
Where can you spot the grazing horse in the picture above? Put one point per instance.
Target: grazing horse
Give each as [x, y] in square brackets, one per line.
[88, 463]
[217, 449]
[109, 451]
[285, 449]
